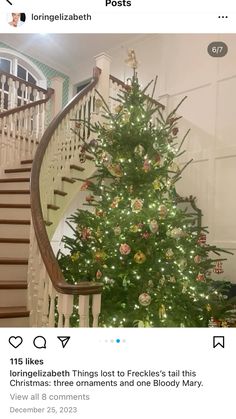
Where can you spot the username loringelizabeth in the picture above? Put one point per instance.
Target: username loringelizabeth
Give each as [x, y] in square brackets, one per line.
[60, 17]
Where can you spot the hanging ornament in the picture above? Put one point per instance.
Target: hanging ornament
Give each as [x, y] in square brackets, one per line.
[145, 235]
[139, 150]
[115, 170]
[172, 279]
[157, 159]
[169, 254]
[162, 280]
[99, 212]
[182, 263]
[146, 166]
[125, 116]
[85, 185]
[125, 249]
[157, 184]
[162, 311]
[115, 202]
[139, 257]
[100, 256]
[118, 108]
[150, 283]
[131, 61]
[162, 211]
[154, 227]
[89, 198]
[75, 256]
[106, 158]
[144, 299]
[175, 131]
[213, 322]
[202, 239]
[197, 259]
[218, 269]
[85, 233]
[93, 144]
[98, 274]
[208, 307]
[176, 233]
[136, 204]
[82, 157]
[117, 230]
[134, 228]
[200, 277]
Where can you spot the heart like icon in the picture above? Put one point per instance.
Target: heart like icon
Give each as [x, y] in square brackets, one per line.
[15, 341]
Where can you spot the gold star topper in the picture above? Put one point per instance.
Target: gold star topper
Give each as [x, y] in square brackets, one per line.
[131, 61]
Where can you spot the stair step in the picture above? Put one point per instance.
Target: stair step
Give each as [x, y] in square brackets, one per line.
[13, 285]
[89, 157]
[58, 192]
[75, 167]
[18, 170]
[13, 272]
[26, 161]
[10, 297]
[16, 248]
[15, 322]
[67, 179]
[14, 183]
[13, 261]
[14, 240]
[14, 196]
[15, 211]
[19, 229]
[13, 312]
[53, 207]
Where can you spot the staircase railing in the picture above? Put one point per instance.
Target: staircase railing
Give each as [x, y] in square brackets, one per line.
[52, 300]
[22, 121]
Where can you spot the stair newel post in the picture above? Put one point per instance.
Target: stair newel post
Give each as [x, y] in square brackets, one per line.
[103, 61]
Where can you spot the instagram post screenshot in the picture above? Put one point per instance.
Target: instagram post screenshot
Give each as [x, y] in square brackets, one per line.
[117, 209]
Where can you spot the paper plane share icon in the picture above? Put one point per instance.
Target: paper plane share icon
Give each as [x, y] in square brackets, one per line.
[64, 340]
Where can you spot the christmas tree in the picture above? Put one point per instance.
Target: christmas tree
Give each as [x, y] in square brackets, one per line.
[155, 265]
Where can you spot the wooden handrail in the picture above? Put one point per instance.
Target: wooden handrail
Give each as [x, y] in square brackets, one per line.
[22, 81]
[18, 109]
[50, 262]
[126, 87]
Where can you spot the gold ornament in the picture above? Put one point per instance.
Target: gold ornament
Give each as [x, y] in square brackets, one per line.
[139, 257]
[162, 211]
[172, 279]
[136, 204]
[75, 256]
[208, 307]
[134, 228]
[139, 150]
[157, 185]
[100, 256]
[169, 254]
[162, 311]
[131, 61]
[115, 202]
[115, 170]
[118, 108]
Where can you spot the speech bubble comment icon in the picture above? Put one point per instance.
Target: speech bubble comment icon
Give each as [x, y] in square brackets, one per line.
[15, 341]
[40, 342]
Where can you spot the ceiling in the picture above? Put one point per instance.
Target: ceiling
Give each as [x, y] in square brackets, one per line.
[66, 52]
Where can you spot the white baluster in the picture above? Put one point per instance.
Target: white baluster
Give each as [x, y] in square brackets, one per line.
[96, 308]
[83, 310]
[67, 307]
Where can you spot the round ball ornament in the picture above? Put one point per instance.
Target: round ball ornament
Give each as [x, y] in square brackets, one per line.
[144, 299]
[197, 259]
[182, 264]
[153, 226]
[176, 233]
[137, 204]
[125, 249]
[139, 150]
[200, 277]
[139, 257]
[162, 211]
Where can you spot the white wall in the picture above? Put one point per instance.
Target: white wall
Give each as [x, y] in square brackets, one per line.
[184, 68]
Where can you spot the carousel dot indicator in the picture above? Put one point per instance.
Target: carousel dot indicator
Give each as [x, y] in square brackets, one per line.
[117, 340]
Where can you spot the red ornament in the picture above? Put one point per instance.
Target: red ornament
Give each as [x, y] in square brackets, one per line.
[89, 198]
[145, 235]
[85, 233]
[218, 269]
[175, 131]
[200, 277]
[85, 185]
[202, 239]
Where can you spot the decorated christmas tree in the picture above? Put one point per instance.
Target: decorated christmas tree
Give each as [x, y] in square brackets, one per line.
[155, 265]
